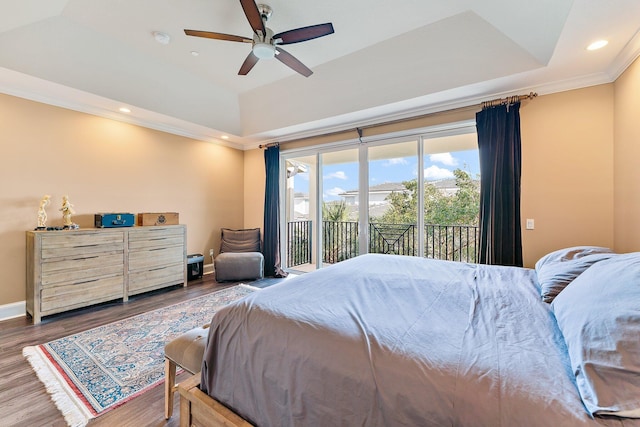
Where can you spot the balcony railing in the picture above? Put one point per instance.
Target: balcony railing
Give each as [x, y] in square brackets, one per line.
[298, 243]
[452, 242]
[340, 241]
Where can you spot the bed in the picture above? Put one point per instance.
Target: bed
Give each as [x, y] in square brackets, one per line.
[385, 340]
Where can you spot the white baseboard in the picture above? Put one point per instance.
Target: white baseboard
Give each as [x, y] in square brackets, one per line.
[207, 269]
[15, 309]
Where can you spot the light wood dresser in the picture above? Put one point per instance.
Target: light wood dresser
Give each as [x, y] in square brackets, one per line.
[69, 269]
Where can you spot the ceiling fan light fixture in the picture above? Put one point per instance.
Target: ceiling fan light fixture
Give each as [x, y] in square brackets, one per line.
[264, 50]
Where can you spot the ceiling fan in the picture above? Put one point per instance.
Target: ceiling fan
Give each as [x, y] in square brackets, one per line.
[265, 43]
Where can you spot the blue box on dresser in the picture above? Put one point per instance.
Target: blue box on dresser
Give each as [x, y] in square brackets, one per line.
[112, 220]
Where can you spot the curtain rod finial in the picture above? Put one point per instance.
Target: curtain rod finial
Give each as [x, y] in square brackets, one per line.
[271, 144]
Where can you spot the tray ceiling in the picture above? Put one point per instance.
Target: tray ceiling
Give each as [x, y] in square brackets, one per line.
[385, 59]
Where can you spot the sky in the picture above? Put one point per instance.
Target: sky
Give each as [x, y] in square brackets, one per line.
[338, 178]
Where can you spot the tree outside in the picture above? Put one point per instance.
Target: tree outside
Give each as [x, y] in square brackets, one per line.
[451, 220]
[460, 208]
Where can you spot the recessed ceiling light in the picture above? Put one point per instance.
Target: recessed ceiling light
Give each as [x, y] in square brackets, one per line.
[125, 110]
[162, 38]
[597, 45]
[224, 137]
[195, 53]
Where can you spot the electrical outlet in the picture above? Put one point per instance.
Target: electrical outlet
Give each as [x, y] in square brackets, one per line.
[210, 252]
[530, 225]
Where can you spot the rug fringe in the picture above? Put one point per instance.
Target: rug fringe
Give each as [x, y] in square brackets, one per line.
[74, 415]
[72, 402]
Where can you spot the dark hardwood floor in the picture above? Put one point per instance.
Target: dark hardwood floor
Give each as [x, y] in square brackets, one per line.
[23, 398]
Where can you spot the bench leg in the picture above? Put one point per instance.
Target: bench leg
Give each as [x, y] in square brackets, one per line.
[169, 387]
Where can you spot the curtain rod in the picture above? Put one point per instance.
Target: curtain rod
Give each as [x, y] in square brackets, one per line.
[271, 144]
[486, 104]
[508, 100]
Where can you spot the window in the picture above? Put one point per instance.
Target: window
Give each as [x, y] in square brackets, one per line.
[346, 200]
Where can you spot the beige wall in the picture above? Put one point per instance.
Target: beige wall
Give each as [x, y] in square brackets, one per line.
[254, 177]
[106, 166]
[567, 170]
[627, 160]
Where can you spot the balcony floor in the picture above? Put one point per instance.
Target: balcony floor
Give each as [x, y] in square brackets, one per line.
[302, 268]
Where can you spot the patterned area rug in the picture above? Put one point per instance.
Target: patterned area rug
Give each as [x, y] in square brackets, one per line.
[97, 370]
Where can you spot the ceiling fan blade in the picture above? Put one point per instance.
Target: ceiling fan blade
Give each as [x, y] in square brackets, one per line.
[217, 36]
[291, 62]
[304, 33]
[248, 64]
[253, 16]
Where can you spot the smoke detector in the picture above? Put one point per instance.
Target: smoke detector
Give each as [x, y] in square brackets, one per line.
[162, 38]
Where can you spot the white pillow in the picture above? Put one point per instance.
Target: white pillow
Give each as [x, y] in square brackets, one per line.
[599, 317]
[559, 268]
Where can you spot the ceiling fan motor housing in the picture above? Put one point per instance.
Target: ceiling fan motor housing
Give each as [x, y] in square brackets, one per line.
[264, 48]
[265, 11]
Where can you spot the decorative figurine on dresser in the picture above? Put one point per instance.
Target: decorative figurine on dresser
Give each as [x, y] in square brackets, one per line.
[42, 213]
[67, 211]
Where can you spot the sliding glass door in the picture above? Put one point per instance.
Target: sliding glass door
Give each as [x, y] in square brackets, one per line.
[340, 209]
[300, 212]
[415, 196]
[393, 198]
[451, 197]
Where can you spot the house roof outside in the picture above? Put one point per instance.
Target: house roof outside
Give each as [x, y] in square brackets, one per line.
[446, 185]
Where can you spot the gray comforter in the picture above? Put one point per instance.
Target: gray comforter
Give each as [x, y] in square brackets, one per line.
[382, 340]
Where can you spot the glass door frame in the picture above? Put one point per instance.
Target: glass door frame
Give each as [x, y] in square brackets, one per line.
[420, 136]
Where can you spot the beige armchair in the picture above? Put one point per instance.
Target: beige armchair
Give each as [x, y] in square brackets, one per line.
[240, 256]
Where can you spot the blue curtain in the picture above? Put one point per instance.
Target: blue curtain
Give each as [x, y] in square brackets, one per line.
[271, 229]
[499, 146]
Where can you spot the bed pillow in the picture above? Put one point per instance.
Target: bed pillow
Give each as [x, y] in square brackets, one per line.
[557, 269]
[599, 317]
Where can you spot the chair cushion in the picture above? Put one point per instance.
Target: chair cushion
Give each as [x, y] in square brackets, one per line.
[239, 266]
[187, 350]
[246, 240]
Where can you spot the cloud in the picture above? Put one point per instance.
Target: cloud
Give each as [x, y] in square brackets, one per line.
[335, 191]
[444, 158]
[396, 161]
[434, 173]
[337, 175]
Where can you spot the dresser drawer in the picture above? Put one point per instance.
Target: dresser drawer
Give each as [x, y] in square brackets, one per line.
[155, 237]
[155, 258]
[72, 244]
[64, 297]
[147, 280]
[82, 268]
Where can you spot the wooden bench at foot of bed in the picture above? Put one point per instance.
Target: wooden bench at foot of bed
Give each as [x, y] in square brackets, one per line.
[198, 409]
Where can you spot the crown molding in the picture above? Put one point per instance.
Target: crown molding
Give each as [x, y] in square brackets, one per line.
[35, 89]
[626, 57]
[440, 106]
[39, 90]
